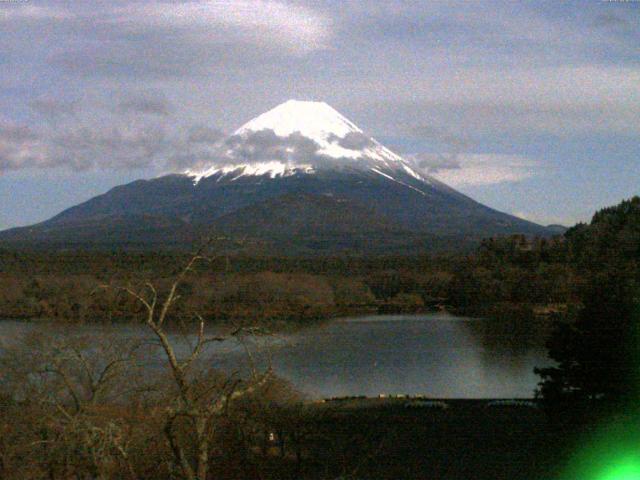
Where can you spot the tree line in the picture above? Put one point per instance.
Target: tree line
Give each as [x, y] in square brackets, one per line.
[505, 276]
[597, 348]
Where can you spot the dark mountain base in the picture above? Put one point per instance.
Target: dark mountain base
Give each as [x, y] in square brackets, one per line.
[349, 212]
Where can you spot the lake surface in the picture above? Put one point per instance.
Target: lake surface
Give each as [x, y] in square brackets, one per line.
[438, 355]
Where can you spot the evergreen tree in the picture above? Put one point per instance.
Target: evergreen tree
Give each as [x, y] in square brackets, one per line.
[598, 361]
[597, 354]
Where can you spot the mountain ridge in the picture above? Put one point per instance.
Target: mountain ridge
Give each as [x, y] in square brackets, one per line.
[281, 174]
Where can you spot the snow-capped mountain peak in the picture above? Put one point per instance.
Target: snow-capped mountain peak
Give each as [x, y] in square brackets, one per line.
[301, 137]
[337, 191]
[315, 120]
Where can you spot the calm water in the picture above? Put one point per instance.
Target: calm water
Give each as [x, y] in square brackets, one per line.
[436, 354]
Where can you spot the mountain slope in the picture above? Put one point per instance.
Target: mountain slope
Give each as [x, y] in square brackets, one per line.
[300, 175]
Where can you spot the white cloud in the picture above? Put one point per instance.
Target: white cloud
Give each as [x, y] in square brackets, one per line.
[20, 147]
[14, 11]
[77, 140]
[546, 219]
[480, 169]
[296, 28]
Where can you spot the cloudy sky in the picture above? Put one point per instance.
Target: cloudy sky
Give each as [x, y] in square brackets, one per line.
[531, 108]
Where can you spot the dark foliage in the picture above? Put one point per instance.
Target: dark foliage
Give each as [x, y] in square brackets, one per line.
[598, 351]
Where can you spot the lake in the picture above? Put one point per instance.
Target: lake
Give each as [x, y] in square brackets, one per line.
[437, 355]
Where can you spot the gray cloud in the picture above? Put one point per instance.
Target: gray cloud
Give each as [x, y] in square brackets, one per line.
[495, 72]
[473, 169]
[352, 141]
[265, 145]
[170, 40]
[118, 148]
[203, 134]
[260, 147]
[91, 139]
[293, 27]
[434, 162]
[80, 148]
[463, 63]
[52, 108]
[444, 138]
[609, 19]
[447, 148]
[16, 133]
[145, 105]
[18, 147]
[207, 148]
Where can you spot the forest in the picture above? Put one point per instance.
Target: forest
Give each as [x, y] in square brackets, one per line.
[504, 276]
[86, 407]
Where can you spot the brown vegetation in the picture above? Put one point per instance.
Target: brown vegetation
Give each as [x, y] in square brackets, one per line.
[502, 277]
[100, 406]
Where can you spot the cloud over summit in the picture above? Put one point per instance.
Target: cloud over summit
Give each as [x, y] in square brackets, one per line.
[129, 84]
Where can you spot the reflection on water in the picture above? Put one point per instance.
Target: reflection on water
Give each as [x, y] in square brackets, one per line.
[438, 355]
[435, 355]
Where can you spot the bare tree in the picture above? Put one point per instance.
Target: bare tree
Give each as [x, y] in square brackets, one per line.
[64, 389]
[197, 400]
[89, 405]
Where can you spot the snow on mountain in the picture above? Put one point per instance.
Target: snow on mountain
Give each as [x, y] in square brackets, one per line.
[350, 194]
[301, 137]
[315, 120]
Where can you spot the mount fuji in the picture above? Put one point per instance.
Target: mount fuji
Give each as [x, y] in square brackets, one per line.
[302, 137]
[298, 179]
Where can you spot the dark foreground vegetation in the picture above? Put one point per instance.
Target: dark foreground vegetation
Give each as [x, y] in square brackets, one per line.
[74, 407]
[272, 435]
[99, 407]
